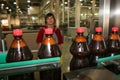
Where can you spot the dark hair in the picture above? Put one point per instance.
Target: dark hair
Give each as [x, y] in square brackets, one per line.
[49, 15]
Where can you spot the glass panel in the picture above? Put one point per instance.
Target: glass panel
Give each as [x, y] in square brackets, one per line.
[87, 14]
[72, 14]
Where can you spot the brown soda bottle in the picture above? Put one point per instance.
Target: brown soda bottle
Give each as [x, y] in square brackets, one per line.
[48, 49]
[113, 42]
[19, 51]
[113, 49]
[80, 51]
[97, 47]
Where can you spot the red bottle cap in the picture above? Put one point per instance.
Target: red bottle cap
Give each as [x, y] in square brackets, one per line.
[80, 30]
[98, 29]
[115, 29]
[17, 32]
[49, 31]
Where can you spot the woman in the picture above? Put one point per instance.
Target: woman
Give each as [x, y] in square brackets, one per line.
[54, 74]
[50, 23]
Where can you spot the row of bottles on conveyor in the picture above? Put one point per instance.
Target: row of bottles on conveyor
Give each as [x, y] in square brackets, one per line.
[19, 51]
[84, 55]
[87, 55]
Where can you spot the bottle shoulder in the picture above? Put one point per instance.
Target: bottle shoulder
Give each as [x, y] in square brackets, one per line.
[98, 37]
[18, 42]
[80, 38]
[49, 40]
[114, 37]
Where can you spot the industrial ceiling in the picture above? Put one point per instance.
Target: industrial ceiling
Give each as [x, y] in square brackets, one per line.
[9, 6]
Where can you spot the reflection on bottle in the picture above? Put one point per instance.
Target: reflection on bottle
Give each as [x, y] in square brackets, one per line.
[19, 51]
[97, 47]
[48, 49]
[113, 42]
[80, 51]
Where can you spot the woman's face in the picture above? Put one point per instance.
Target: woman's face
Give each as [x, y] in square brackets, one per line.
[50, 20]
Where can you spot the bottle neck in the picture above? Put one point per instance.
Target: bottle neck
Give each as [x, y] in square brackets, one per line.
[49, 39]
[17, 37]
[114, 32]
[80, 34]
[100, 33]
[98, 36]
[49, 35]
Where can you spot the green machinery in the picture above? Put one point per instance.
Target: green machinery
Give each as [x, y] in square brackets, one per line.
[44, 64]
[112, 63]
[26, 66]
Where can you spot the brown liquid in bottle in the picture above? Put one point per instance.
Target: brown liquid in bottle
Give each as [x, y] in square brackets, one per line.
[80, 51]
[113, 49]
[113, 42]
[49, 49]
[19, 51]
[97, 47]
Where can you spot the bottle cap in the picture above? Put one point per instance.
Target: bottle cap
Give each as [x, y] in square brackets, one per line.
[49, 31]
[98, 29]
[115, 29]
[80, 30]
[17, 32]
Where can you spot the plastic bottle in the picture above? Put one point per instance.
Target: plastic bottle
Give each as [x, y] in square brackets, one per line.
[113, 42]
[113, 49]
[19, 51]
[48, 49]
[80, 51]
[97, 47]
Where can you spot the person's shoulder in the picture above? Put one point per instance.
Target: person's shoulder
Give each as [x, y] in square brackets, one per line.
[41, 29]
[57, 29]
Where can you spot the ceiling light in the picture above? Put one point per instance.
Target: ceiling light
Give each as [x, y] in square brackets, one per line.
[7, 7]
[2, 4]
[18, 9]
[81, 4]
[21, 12]
[17, 6]
[10, 10]
[66, 2]
[48, 2]
[14, 3]
[96, 14]
[61, 4]
[28, 1]
[81, 14]
[89, 8]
